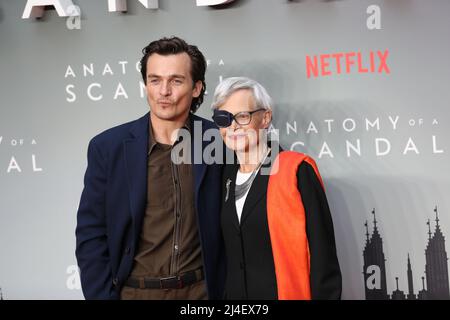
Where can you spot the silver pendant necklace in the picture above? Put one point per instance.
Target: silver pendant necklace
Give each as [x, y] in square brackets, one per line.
[241, 189]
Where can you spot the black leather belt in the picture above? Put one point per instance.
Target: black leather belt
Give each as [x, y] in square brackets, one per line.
[174, 282]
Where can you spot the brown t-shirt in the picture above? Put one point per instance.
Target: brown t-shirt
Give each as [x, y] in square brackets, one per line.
[169, 242]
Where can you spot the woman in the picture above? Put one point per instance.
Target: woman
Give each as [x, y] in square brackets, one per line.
[277, 228]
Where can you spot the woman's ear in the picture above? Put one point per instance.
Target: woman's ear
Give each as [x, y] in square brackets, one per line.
[267, 118]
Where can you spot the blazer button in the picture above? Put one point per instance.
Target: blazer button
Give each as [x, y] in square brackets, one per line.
[127, 250]
[115, 281]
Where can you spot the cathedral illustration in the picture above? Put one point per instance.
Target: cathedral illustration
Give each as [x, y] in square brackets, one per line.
[435, 282]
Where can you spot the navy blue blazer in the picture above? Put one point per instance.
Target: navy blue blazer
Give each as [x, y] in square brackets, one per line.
[112, 207]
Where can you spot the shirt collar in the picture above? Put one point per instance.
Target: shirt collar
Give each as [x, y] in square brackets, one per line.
[151, 139]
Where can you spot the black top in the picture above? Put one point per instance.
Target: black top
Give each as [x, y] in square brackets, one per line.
[250, 264]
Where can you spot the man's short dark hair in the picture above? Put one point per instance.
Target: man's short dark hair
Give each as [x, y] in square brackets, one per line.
[175, 45]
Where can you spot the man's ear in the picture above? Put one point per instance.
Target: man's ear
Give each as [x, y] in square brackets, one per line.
[198, 86]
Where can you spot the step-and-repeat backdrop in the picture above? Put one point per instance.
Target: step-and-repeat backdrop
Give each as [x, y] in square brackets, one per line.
[361, 86]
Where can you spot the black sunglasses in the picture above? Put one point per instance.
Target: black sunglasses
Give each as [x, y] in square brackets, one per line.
[223, 119]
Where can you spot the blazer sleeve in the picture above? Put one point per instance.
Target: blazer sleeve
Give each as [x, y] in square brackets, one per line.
[91, 241]
[325, 277]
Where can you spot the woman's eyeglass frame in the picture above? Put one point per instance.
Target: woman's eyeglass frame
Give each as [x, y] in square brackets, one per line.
[224, 119]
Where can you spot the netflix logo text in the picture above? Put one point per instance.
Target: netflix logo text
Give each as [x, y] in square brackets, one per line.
[347, 62]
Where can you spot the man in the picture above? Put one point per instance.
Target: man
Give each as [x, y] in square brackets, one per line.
[148, 227]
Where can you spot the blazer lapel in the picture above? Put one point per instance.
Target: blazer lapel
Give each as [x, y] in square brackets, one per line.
[135, 150]
[229, 199]
[199, 166]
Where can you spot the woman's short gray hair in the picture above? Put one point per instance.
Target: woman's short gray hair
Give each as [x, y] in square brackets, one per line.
[230, 85]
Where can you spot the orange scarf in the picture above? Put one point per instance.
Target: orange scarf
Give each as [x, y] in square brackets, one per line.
[287, 227]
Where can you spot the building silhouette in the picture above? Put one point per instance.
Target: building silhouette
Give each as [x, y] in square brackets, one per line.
[411, 295]
[374, 255]
[398, 294]
[436, 267]
[423, 295]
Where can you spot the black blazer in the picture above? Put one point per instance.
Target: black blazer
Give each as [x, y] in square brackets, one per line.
[250, 264]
